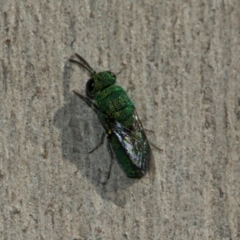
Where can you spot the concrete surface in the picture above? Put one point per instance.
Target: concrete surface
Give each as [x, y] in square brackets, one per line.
[182, 63]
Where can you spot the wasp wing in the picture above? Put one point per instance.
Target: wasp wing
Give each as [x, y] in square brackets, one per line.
[134, 142]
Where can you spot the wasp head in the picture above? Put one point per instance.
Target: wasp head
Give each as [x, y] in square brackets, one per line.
[98, 82]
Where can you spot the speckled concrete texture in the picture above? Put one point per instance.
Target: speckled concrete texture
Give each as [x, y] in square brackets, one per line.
[181, 68]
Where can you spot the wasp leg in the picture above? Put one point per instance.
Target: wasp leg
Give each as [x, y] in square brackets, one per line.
[102, 117]
[88, 101]
[91, 104]
[147, 130]
[154, 145]
[122, 68]
[161, 150]
[111, 163]
[100, 143]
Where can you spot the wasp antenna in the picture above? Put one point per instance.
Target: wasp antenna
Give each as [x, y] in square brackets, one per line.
[85, 62]
[81, 65]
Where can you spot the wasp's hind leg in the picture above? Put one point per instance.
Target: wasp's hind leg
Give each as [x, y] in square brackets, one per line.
[111, 162]
[100, 143]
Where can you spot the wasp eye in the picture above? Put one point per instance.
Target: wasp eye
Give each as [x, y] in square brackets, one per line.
[89, 86]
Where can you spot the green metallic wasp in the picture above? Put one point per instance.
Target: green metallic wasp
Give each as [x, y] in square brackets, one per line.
[120, 121]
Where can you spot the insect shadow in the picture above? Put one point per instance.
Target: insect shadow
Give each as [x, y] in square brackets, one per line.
[80, 132]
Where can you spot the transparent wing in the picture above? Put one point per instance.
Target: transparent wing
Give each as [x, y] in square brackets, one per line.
[135, 143]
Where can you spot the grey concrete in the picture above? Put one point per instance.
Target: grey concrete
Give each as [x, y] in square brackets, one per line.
[182, 62]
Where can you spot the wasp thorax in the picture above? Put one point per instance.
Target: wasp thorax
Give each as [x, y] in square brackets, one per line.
[98, 82]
